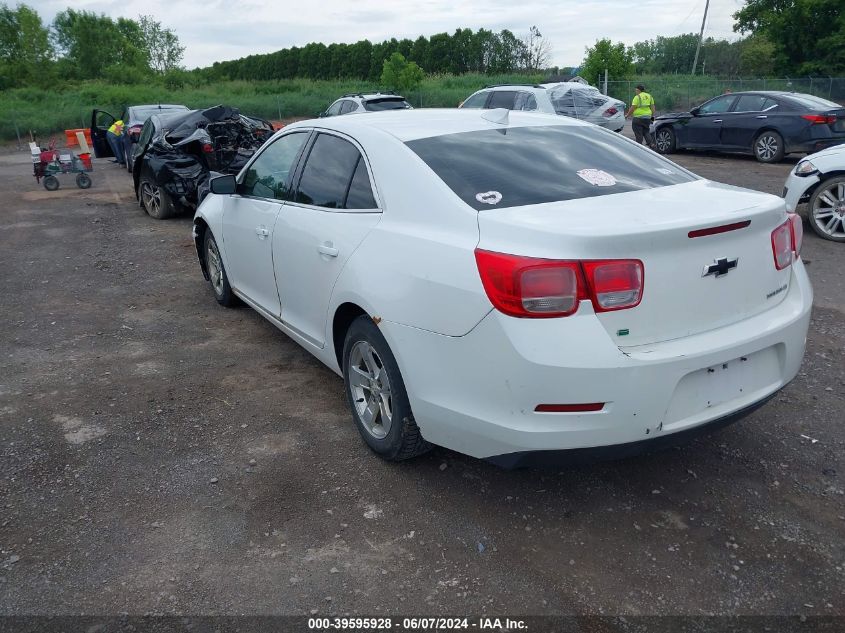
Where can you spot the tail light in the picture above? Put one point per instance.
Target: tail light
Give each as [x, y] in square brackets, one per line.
[610, 111]
[787, 240]
[544, 288]
[820, 119]
[615, 284]
[208, 148]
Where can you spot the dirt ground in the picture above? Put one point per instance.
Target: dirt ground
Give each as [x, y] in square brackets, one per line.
[161, 454]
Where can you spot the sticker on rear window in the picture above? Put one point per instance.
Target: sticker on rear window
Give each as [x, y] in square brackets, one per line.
[597, 177]
[489, 197]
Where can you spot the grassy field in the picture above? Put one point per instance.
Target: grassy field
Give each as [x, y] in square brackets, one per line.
[48, 112]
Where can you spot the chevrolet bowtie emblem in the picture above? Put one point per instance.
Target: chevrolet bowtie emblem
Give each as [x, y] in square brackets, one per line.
[719, 267]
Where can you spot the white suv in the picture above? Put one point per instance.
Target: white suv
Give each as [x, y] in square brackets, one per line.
[568, 99]
[357, 102]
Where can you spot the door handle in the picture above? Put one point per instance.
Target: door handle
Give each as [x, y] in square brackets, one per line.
[717, 120]
[261, 232]
[327, 249]
[762, 116]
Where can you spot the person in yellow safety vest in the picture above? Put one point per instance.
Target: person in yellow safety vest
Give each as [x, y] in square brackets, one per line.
[642, 109]
[113, 136]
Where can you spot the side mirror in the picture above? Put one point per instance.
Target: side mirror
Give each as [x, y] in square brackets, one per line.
[224, 185]
[321, 114]
[694, 111]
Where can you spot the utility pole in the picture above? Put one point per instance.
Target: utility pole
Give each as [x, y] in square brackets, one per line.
[700, 37]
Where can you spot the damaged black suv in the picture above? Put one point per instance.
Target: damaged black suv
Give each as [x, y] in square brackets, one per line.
[176, 153]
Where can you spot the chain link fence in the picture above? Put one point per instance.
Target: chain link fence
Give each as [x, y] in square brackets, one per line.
[685, 93]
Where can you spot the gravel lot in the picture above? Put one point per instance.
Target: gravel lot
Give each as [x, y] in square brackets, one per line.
[161, 454]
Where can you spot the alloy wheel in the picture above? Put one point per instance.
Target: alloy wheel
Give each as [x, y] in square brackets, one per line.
[370, 386]
[663, 140]
[215, 267]
[767, 147]
[151, 197]
[828, 210]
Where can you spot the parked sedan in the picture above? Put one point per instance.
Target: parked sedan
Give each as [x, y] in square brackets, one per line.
[509, 285]
[568, 98]
[176, 153]
[819, 180]
[767, 124]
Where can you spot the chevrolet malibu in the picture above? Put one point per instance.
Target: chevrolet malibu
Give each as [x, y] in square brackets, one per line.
[512, 286]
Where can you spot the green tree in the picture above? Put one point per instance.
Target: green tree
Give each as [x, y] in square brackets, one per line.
[808, 35]
[25, 49]
[400, 74]
[162, 47]
[92, 43]
[616, 58]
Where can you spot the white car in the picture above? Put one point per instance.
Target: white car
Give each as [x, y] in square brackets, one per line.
[357, 102]
[568, 98]
[819, 180]
[508, 285]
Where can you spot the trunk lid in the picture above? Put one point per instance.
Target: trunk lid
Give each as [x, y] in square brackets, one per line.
[654, 225]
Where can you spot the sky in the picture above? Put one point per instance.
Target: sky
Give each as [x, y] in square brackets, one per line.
[218, 30]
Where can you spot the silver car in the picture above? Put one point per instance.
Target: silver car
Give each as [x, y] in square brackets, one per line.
[570, 99]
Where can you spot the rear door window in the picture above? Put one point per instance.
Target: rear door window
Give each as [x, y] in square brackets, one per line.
[269, 175]
[525, 101]
[502, 99]
[750, 103]
[335, 176]
[494, 169]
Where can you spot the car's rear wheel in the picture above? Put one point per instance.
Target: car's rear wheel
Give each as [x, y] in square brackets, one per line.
[377, 396]
[217, 272]
[155, 200]
[768, 147]
[827, 209]
[664, 140]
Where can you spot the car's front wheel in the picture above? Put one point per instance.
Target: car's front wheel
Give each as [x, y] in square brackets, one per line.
[827, 209]
[155, 200]
[768, 147]
[217, 272]
[664, 140]
[377, 396]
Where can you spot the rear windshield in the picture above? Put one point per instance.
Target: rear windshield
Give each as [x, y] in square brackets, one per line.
[142, 114]
[375, 105]
[532, 165]
[813, 102]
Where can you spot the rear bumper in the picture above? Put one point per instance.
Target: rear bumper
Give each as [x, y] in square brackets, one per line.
[574, 456]
[477, 393]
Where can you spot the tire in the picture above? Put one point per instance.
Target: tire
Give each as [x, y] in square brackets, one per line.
[826, 209]
[217, 273]
[664, 140]
[377, 396]
[51, 183]
[155, 200]
[83, 180]
[768, 147]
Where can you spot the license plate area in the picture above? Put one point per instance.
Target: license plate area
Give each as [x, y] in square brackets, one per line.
[730, 385]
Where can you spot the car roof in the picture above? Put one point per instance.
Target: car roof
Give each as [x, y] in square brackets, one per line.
[409, 125]
[371, 95]
[162, 106]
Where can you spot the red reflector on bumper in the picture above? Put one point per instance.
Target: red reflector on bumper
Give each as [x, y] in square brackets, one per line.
[569, 408]
[715, 230]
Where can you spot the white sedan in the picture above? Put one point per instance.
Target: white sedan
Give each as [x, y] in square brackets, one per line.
[510, 285]
[819, 180]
